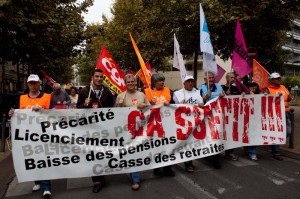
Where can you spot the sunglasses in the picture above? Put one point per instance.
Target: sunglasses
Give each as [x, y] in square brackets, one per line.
[34, 83]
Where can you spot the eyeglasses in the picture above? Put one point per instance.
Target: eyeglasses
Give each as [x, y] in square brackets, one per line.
[34, 83]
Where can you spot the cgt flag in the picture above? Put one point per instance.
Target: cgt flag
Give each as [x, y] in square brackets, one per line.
[209, 61]
[114, 75]
[241, 62]
[260, 75]
[178, 60]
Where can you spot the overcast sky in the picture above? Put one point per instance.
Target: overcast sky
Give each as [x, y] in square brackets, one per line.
[95, 12]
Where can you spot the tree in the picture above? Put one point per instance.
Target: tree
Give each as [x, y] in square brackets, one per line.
[264, 25]
[152, 23]
[42, 34]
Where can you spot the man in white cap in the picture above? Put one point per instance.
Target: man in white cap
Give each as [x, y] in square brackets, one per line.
[188, 95]
[277, 88]
[36, 100]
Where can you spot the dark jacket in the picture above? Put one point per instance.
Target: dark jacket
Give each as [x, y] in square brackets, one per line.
[106, 99]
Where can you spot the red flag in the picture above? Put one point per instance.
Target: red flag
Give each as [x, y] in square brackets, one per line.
[114, 75]
[48, 78]
[260, 74]
[130, 72]
[141, 74]
[220, 74]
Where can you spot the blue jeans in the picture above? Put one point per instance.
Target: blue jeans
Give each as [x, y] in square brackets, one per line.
[275, 149]
[135, 177]
[45, 185]
[251, 151]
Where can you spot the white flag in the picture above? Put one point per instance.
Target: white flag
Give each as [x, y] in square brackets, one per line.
[209, 61]
[178, 60]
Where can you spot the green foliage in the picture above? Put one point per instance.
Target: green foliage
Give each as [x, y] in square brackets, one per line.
[264, 25]
[42, 34]
[153, 23]
[291, 81]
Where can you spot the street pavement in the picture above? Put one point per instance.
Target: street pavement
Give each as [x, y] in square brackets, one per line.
[237, 179]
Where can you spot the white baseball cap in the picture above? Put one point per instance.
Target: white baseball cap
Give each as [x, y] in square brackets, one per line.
[274, 75]
[33, 78]
[188, 77]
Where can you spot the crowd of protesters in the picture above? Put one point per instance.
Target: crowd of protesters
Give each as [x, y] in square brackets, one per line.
[96, 95]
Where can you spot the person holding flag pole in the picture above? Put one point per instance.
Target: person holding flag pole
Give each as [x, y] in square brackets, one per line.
[209, 90]
[96, 95]
[209, 62]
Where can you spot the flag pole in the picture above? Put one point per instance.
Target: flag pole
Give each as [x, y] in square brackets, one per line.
[142, 63]
[91, 84]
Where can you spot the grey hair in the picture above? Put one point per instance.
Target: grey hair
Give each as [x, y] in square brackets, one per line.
[208, 72]
[157, 77]
[129, 76]
[56, 85]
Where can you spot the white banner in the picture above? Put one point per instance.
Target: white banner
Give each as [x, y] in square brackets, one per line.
[54, 144]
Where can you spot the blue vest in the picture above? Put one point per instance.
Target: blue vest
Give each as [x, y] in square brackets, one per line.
[215, 90]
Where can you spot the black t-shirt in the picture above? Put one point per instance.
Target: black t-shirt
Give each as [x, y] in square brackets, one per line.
[233, 89]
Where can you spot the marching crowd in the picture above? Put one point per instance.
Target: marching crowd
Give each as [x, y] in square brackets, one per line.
[96, 95]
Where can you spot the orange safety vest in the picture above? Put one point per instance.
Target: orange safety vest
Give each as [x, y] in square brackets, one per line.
[281, 89]
[161, 96]
[27, 103]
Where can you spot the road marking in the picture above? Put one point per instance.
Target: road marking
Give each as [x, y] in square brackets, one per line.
[276, 181]
[241, 162]
[192, 186]
[226, 180]
[273, 176]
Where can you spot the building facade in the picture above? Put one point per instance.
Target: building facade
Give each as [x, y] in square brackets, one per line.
[292, 66]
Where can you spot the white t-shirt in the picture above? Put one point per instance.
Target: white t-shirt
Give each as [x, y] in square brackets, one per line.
[183, 96]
